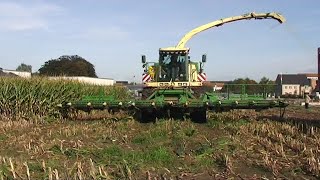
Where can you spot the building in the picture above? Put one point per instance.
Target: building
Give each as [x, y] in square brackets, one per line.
[122, 82]
[17, 73]
[3, 74]
[87, 80]
[292, 84]
[313, 80]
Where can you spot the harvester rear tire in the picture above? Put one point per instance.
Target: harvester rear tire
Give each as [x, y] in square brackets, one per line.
[145, 116]
[199, 116]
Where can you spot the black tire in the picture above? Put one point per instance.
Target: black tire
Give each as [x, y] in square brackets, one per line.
[146, 92]
[145, 116]
[199, 116]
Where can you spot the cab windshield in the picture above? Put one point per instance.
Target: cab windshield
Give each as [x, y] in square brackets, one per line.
[172, 67]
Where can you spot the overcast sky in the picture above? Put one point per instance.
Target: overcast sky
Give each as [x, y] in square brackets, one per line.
[112, 35]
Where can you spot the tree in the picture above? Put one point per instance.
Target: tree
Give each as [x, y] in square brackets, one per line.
[265, 80]
[68, 66]
[268, 85]
[251, 86]
[237, 85]
[25, 68]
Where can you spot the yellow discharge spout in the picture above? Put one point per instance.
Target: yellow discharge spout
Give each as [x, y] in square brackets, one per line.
[248, 16]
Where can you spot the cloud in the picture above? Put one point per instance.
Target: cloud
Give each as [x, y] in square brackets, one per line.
[20, 17]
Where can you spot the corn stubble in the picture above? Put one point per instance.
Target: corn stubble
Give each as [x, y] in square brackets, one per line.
[229, 145]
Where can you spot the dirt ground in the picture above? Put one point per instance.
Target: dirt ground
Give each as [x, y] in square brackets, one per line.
[233, 145]
[296, 113]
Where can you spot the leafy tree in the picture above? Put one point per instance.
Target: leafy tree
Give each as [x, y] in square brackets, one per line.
[68, 66]
[24, 67]
[265, 80]
[251, 86]
[267, 85]
[243, 81]
[237, 85]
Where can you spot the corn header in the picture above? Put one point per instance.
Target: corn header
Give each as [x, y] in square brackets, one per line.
[174, 85]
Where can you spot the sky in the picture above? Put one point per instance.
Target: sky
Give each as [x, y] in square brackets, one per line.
[113, 34]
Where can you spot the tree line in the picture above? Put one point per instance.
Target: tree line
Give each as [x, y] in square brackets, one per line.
[250, 86]
[73, 65]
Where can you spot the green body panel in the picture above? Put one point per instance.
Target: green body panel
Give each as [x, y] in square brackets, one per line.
[177, 98]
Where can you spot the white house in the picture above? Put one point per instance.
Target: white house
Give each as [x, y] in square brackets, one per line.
[292, 84]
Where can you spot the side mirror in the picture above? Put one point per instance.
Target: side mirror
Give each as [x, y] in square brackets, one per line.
[143, 59]
[204, 58]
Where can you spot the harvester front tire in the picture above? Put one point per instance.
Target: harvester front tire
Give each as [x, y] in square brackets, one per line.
[146, 92]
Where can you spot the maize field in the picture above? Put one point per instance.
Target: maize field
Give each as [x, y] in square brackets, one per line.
[26, 98]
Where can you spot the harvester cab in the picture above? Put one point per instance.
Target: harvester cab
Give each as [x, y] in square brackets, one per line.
[174, 69]
[173, 86]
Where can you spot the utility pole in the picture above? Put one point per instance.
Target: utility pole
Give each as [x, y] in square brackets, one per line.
[318, 82]
[134, 80]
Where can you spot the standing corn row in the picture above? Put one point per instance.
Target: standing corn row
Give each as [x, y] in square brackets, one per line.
[39, 96]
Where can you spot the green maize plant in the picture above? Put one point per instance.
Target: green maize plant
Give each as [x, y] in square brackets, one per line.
[39, 96]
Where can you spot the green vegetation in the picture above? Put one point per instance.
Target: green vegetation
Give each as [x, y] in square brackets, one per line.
[68, 66]
[250, 86]
[27, 98]
[24, 68]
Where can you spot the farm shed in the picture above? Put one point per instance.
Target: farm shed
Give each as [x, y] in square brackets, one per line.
[17, 73]
[88, 80]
